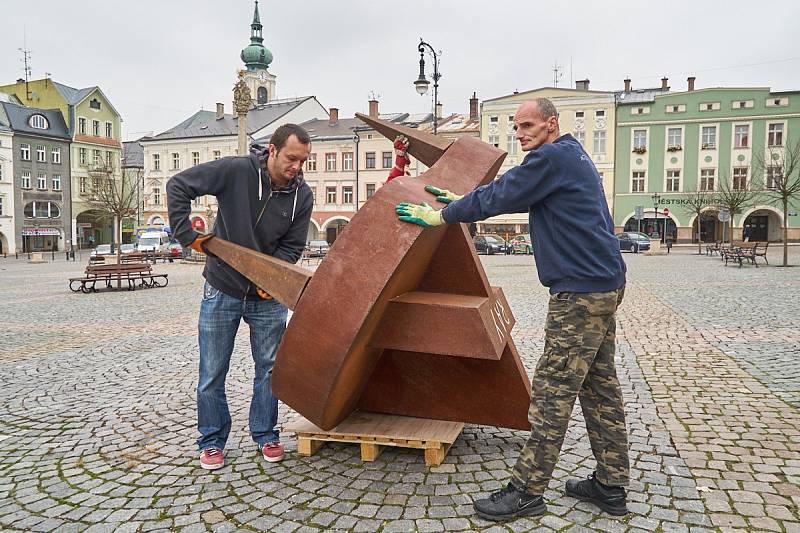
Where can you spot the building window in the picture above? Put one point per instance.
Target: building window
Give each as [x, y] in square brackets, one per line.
[176, 161]
[639, 140]
[347, 161]
[330, 195]
[96, 128]
[55, 154]
[740, 136]
[494, 140]
[775, 135]
[347, 195]
[195, 158]
[57, 182]
[25, 181]
[740, 178]
[41, 154]
[494, 119]
[387, 159]
[156, 161]
[314, 193]
[41, 181]
[673, 138]
[82, 184]
[109, 159]
[94, 103]
[599, 113]
[1, 172]
[511, 144]
[109, 130]
[82, 126]
[95, 184]
[157, 196]
[1, 206]
[774, 176]
[599, 142]
[25, 152]
[82, 155]
[707, 179]
[370, 159]
[578, 114]
[370, 190]
[38, 122]
[97, 157]
[311, 162]
[580, 136]
[330, 162]
[673, 180]
[708, 137]
[217, 154]
[637, 181]
[41, 210]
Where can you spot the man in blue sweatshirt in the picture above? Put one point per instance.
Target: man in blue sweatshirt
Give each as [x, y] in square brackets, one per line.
[578, 258]
[265, 205]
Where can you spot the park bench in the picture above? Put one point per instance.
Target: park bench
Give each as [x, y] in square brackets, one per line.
[130, 274]
[750, 253]
[730, 249]
[713, 248]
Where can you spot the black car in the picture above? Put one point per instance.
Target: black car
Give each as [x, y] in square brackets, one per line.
[491, 244]
[633, 241]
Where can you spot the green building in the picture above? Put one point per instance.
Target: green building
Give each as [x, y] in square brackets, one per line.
[670, 145]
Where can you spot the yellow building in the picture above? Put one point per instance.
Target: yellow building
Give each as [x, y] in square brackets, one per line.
[588, 115]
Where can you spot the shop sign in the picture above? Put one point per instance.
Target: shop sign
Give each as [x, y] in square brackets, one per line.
[40, 232]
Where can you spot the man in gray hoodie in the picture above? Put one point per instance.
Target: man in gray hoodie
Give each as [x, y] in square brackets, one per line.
[265, 205]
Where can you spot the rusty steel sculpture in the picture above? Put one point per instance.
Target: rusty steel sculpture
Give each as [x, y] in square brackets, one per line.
[398, 319]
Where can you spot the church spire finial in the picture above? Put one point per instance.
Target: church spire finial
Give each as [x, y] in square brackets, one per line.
[256, 19]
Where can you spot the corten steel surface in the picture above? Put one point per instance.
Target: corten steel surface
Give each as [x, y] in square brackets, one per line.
[284, 281]
[397, 319]
[351, 342]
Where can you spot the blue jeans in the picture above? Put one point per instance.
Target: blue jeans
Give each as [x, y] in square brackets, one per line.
[220, 316]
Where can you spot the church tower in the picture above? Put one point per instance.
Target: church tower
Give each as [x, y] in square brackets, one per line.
[257, 58]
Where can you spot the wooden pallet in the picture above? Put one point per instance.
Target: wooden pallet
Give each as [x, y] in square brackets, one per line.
[374, 431]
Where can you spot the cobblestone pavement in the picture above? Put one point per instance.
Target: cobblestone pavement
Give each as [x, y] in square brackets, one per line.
[98, 418]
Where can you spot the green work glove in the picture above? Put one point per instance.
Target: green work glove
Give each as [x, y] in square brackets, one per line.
[421, 214]
[443, 195]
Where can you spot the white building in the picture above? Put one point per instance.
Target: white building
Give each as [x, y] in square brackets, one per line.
[7, 241]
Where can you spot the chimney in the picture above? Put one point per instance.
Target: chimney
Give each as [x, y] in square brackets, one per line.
[582, 85]
[373, 108]
[220, 110]
[664, 83]
[334, 116]
[439, 108]
[20, 80]
[473, 107]
[627, 85]
[690, 81]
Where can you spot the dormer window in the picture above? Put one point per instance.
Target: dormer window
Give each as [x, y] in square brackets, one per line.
[38, 122]
[94, 103]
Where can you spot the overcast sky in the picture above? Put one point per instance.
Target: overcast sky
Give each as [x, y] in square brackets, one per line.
[160, 61]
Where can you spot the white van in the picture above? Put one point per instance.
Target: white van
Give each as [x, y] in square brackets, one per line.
[153, 241]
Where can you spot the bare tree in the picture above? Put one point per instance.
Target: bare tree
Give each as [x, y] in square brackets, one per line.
[779, 167]
[114, 197]
[697, 204]
[734, 197]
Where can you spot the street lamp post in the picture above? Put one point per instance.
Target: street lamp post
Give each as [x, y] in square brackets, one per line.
[656, 200]
[356, 139]
[422, 82]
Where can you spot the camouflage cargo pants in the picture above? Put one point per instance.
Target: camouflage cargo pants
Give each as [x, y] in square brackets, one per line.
[578, 360]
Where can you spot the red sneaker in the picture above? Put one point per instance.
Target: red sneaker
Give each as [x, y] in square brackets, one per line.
[212, 459]
[272, 452]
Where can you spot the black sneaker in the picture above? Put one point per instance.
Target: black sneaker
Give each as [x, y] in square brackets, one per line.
[609, 499]
[509, 502]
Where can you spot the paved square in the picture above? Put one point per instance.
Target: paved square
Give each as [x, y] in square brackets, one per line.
[98, 418]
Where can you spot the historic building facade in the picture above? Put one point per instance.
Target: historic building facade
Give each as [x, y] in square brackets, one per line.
[673, 145]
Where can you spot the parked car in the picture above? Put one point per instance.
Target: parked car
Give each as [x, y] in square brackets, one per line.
[101, 249]
[153, 241]
[127, 248]
[633, 241]
[317, 248]
[175, 249]
[491, 244]
[521, 244]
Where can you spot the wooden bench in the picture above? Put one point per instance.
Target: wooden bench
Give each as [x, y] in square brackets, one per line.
[751, 253]
[731, 249]
[713, 248]
[129, 273]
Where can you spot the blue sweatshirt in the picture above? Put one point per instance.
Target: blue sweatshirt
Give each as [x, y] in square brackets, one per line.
[560, 188]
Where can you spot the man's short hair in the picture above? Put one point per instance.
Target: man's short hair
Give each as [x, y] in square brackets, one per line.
[546, 108]
[283, 133]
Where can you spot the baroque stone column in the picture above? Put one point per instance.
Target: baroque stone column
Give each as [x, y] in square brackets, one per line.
[242, 102]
